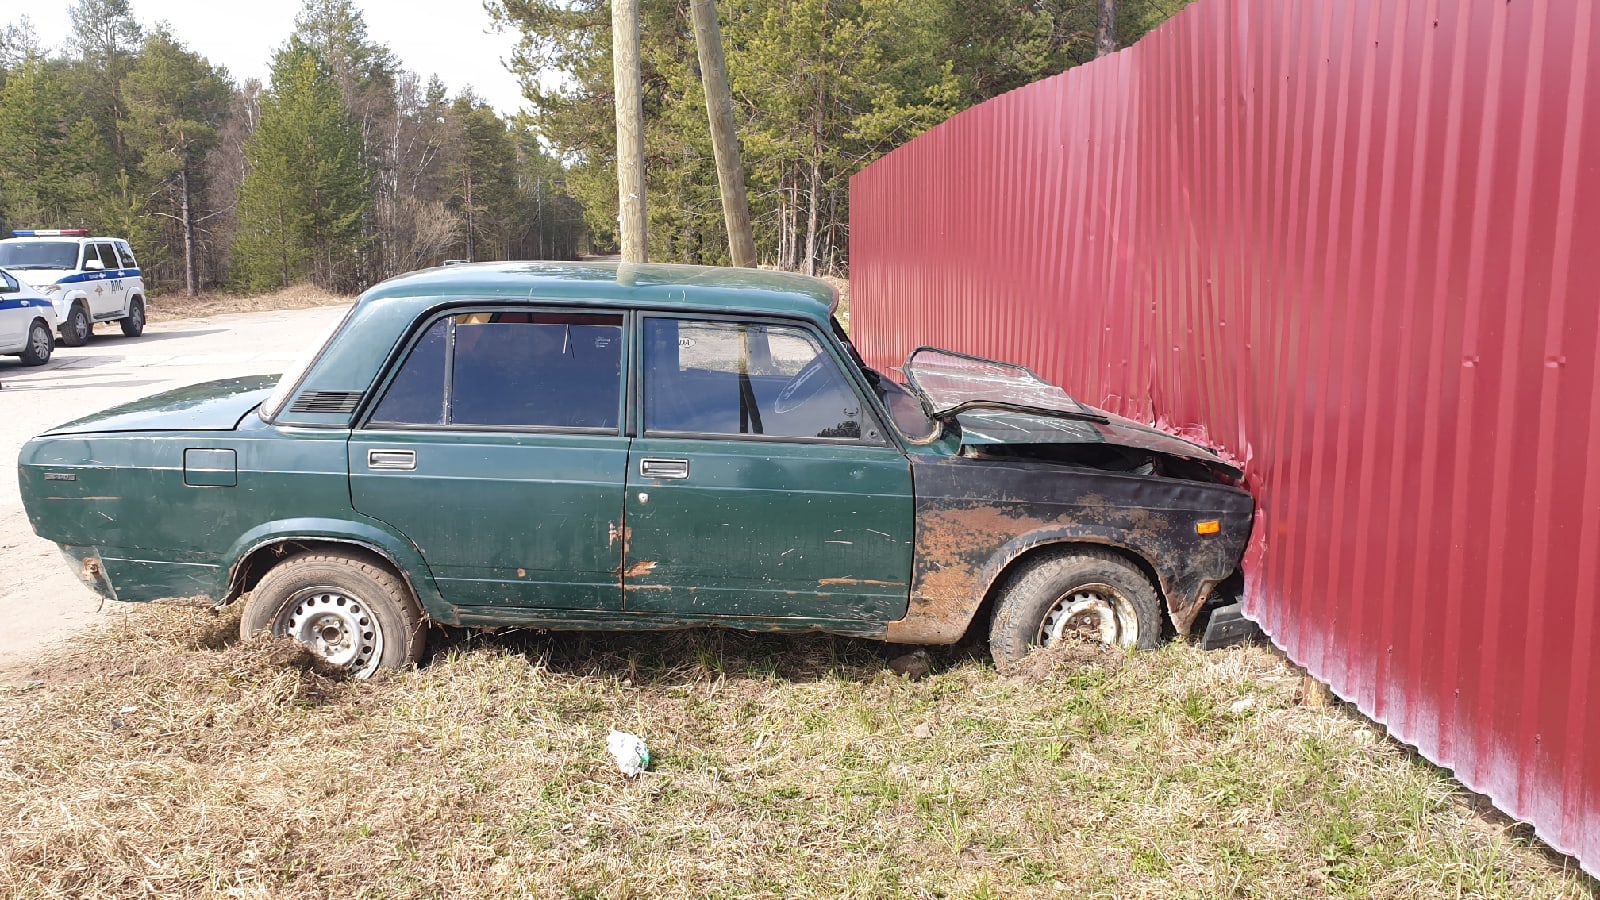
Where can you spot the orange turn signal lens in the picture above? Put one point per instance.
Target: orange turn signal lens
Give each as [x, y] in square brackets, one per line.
[1209, 526]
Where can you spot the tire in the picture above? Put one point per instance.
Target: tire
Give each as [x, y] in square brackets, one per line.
[133, 323]
[345, 608]
[1094, 592]
[41, 343]
[76, 327]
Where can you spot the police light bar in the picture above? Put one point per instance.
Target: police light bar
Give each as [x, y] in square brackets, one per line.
[52, 232]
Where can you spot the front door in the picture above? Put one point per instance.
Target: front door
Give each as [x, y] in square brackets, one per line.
[761, 484]
[495, 448]
[16, 314]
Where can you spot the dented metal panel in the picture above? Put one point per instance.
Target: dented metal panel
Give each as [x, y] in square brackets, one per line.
[975, 518]
[1344, 241]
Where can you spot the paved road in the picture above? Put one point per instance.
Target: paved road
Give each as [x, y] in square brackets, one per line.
[41, 600]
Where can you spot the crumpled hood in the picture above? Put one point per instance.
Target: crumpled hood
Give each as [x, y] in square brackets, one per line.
[211, 406]
[1004, 403]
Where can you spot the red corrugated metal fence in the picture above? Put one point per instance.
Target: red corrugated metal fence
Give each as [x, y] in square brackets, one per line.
[1357, 244]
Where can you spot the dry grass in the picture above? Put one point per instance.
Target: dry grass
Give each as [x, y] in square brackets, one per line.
[177, 305]
[163, 758]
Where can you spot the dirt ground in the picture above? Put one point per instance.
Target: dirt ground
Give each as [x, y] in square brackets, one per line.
[41, 602]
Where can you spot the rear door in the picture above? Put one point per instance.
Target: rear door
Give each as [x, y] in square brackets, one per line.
[496, 449]
[760, 483]
[104, 285]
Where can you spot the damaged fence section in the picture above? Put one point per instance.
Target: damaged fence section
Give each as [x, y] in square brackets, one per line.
[1355, 244]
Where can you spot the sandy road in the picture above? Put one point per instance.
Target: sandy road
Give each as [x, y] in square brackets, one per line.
[41, 600]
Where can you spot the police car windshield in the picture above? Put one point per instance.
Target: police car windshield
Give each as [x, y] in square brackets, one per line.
[39, 254]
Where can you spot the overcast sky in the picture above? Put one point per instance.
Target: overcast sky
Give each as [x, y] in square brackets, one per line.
[451, 38]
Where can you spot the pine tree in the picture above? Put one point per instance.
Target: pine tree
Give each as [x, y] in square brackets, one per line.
[176, 103]
[107, 35]
[45, 179]
[480, 166]
[303, 199]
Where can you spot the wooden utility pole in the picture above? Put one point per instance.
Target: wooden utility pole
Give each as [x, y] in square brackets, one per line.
[1105, 35]
[724, 136]
[631, 220]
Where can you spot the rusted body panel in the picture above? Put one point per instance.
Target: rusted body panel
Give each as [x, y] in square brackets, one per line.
[976, 517]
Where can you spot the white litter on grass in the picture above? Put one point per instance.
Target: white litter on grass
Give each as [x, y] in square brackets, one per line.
[629, 751]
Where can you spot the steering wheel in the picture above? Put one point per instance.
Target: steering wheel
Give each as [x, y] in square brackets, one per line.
[805, 384]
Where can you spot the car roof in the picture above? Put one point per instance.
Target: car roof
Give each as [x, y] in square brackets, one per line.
[706, 288]
[59, 237]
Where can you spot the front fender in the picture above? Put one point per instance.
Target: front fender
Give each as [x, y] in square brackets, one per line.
[64, 303]
[975, 518]
[383, 541]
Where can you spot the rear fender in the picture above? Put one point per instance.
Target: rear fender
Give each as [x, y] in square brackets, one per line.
[390, 545]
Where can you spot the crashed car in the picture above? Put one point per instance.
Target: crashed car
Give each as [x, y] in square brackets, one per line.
[592, 446]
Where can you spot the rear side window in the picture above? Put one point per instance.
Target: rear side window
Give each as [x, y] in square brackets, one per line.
[126, 252]
[416, 395]
[513, 370]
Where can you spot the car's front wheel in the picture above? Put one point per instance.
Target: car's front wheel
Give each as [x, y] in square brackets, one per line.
[41, 343]
[76, 327]
[1081, 594]
[345, 608]
[133, 322]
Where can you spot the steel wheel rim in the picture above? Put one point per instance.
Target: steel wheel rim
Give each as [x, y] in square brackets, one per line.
[40, 341]
[337, 628]
[1094, 611]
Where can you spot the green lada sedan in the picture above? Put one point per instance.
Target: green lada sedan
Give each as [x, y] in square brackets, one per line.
[593, 446]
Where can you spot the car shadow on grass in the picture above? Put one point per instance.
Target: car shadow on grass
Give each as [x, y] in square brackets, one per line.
[675, 657]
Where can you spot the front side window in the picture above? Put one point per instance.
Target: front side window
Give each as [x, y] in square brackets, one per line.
[511, 369]
[744, 378]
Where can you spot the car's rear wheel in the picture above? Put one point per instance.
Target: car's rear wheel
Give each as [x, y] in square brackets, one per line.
[1082, 594]
[133, 322]
[76, 327]
[344, 607]
[41, 343]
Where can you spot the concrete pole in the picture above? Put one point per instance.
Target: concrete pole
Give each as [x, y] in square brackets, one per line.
[724, 136]
[631, 221]
[1105, 36]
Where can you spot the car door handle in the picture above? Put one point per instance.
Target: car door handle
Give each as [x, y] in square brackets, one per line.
[664, 468]
[392, 459]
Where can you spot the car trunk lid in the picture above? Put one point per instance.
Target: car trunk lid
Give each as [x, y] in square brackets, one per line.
[211, 406]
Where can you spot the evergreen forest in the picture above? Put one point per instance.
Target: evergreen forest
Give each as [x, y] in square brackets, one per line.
[348, 167]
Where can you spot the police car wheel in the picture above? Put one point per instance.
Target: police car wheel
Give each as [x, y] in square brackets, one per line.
[133, 322]
[76, 328]
[40, 344]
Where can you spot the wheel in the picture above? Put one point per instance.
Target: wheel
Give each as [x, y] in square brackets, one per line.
[133, 322]
[76, 327]
[1093, 594]
[345, 608]
[41, 343]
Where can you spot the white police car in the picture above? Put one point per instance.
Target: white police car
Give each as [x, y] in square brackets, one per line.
[27, 322]
[88, 279]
